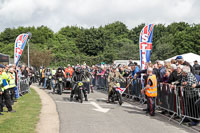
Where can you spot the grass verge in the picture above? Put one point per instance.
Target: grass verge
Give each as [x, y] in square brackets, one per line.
[27, 115]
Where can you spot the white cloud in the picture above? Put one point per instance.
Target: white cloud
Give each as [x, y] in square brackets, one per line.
[87, 13]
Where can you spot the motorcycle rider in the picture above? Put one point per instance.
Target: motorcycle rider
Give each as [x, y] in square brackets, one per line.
[32, 75]
[87, 77]
[37, 76]
[53, 71]
[42, 72]
[59, 73]
[113, 75]
[53, 74]
[77, 76]
[46, 75]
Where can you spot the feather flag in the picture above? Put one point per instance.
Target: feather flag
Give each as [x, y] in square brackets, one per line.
[20, 43]
[145, 44]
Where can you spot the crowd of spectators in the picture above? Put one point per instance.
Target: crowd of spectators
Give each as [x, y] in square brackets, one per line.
[10, 89]
[175, 72]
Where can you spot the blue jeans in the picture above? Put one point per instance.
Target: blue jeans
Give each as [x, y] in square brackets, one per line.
[16, 93]
[45, 83]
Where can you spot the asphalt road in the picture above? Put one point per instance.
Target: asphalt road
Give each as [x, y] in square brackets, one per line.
[96, 116]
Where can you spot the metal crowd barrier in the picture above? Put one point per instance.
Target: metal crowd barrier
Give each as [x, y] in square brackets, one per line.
[187, 97]
[24, 85]
[179, 101]
[166, 99]
[133, 86]
[133, 90]
[101, 82]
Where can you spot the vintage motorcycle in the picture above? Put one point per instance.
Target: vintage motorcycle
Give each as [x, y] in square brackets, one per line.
[116, 92]
[49, 82]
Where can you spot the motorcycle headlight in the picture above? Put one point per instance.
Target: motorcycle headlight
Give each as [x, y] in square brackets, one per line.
[60, 79]
[118, 85]
[80, 84]
[50, 77]
[88, 80]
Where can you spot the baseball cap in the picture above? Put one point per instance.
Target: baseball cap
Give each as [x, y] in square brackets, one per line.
[179, 57]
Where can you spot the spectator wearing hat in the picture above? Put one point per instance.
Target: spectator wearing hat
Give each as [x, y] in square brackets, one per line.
[181, 61]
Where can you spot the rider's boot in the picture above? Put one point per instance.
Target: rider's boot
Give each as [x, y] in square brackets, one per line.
[71, 98]
[108, 101]
[86, 99]
[53, 90]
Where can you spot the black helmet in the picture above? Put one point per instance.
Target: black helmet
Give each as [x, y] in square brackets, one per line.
[78, 70]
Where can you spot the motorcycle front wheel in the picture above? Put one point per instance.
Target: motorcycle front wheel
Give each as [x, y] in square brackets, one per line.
[120, 99]
[60, 89]
[81, 96]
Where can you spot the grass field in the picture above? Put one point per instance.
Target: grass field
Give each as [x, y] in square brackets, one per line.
[27, 115]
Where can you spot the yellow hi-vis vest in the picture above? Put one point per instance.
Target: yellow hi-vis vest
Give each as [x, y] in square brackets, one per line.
[4, 76]
[152, 90]
[1, 84]
[53, 72]
[12, 80]
[43, 72]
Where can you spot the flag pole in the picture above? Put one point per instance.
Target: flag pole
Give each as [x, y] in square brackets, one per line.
[28, 55]
[29, 37]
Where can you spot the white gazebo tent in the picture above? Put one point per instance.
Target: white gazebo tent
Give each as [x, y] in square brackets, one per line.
[189, 57]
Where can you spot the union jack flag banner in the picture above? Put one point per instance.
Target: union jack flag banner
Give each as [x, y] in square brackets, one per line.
[121, 90]
[20, 43]
[145, 45]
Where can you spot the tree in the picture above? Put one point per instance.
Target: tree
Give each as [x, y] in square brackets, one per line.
[72, 44]
[88, 42]
[38, 58]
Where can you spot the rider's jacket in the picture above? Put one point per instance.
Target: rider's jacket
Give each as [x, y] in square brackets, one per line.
[78, 76]
[59, 74]
[48, 74]
[114, 75]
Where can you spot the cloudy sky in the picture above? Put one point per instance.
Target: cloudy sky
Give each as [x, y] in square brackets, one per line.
[87, 13]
